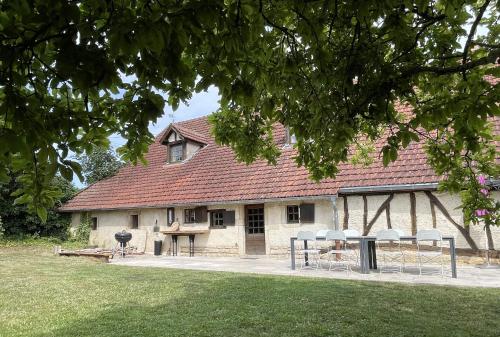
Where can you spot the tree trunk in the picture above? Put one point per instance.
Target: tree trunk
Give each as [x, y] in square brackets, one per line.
[489, 238]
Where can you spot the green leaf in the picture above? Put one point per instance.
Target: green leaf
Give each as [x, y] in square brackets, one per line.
[66, 172]
[42, 213]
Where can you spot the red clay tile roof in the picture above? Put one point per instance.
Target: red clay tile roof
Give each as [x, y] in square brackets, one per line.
[187, 133]
[213, 175]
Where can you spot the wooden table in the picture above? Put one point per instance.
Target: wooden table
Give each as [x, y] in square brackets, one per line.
[367, 253]
[189, 233]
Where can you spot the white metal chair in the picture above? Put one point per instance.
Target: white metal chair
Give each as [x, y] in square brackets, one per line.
[350, 247]
[389, 254]
[400, 231]
[436, 254]
[321, 245]
[338, 259]
[311, 251]
[321, 233]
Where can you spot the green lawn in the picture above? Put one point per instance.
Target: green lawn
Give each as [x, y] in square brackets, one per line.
[44, 295]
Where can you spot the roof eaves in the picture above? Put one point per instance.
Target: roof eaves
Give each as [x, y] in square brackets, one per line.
[203, 203]
[389, 188]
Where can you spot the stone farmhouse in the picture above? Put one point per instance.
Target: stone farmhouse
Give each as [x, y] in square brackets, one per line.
[255, 209]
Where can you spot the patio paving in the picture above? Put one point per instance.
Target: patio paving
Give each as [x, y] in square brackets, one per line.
[469, 276]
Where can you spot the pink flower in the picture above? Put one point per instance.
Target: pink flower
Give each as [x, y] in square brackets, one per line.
[481, 179]
[484, 191]
[481, 212]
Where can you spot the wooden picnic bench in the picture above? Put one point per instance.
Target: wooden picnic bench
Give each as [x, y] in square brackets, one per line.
[105, 256]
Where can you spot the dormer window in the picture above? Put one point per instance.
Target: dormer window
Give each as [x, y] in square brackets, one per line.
[181, 146]
[176, 153]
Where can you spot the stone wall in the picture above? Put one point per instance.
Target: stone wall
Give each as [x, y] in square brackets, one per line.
[221, 241]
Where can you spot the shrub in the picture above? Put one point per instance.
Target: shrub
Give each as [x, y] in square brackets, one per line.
[2, 229]
[82, 232]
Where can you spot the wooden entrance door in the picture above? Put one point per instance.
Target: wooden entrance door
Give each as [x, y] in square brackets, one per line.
[255, 233]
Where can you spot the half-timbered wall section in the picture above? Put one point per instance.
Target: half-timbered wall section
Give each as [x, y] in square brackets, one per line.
[411, 212]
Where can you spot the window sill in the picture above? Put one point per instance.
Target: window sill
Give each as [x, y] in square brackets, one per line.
[218, 227]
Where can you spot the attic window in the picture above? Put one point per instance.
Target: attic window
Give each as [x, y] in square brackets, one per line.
[176, 153]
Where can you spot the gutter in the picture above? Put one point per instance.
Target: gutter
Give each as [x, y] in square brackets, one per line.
[389, 188]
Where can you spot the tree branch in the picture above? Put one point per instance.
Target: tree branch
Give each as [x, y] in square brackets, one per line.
[491, 58]
[472, 32]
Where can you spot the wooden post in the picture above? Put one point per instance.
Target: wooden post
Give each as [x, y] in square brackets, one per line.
[388, 215]
[365, 215]
[434, 223]
[433, 213]
[346, 214]
[413, 213]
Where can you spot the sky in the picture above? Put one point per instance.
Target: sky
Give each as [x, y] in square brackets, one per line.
[201, 104]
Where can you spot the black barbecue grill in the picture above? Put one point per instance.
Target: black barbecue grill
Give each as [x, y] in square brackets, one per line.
[123, 237]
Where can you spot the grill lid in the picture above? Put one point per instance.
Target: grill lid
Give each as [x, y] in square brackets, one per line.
[123, 236]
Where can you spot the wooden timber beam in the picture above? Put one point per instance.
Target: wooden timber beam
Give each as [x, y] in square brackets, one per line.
[447, 215]
[368, 227]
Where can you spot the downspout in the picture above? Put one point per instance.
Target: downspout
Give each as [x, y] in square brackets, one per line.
[333, 198]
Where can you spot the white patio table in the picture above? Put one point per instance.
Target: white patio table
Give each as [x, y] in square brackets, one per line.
[367, 251]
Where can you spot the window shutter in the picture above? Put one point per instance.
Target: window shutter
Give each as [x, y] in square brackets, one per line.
[229, 218]
[170, 216]
[201, 214]
[307, 213]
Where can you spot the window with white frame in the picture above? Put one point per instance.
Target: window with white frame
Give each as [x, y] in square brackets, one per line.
[176, 153]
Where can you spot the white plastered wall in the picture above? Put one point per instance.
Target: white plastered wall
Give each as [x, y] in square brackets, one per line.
[278, 231]
[218, 241]
[110, 222]
[223, 241]
[191, 149]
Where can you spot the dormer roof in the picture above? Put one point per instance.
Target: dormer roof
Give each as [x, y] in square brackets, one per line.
[183, 133]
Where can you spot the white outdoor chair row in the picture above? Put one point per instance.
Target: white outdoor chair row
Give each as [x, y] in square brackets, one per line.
[390, 255]
[339, 253]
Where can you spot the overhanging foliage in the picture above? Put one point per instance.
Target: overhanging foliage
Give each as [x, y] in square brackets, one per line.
[329, 70]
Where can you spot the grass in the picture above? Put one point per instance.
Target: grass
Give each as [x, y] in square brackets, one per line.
[45, 295]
